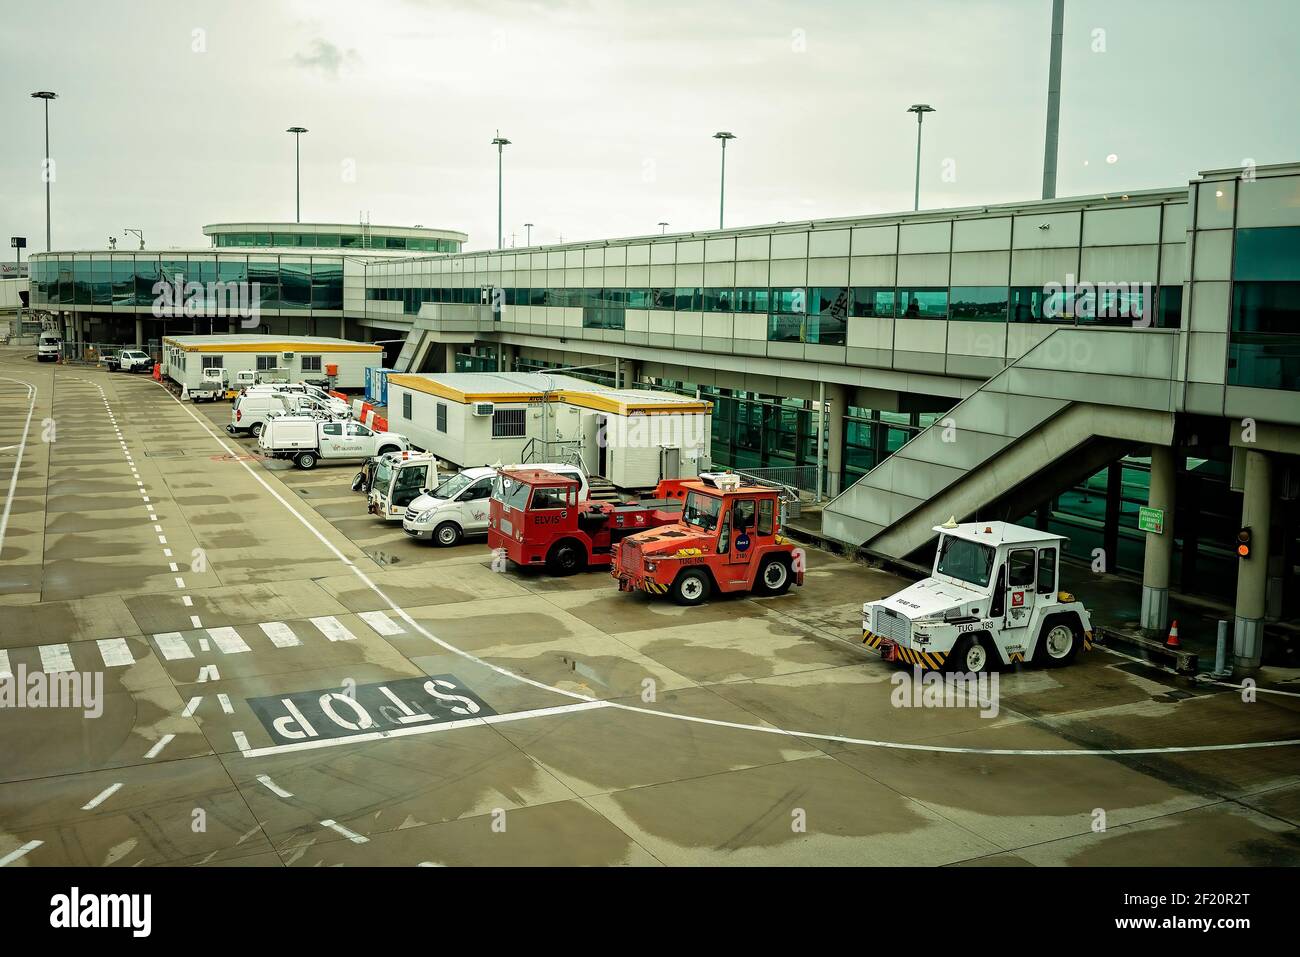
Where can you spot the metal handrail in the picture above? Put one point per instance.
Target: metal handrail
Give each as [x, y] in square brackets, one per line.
[788, 492]
[569, 448]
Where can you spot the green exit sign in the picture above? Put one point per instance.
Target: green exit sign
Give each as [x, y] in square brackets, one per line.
[1151, 520]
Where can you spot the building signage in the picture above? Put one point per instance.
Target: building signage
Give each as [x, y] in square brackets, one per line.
[1151, 520]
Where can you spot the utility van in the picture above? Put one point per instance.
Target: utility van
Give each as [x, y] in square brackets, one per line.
[252, 410]
[336, 405]
[398, 479]
[307, 440]
[461, 505]
[49, 347]
[992, 599]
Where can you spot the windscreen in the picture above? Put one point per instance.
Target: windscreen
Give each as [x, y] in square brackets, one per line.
[966, 561]
[453, 486]
[702, 511]
[510, 493]
[383, 473]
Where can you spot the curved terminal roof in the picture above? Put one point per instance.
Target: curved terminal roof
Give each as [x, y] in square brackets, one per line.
[466, 387]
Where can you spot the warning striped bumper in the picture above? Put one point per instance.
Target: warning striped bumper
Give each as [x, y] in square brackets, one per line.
[913, 656]
[648, 585]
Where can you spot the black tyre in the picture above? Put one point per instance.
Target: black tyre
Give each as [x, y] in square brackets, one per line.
[565, 558]
[970, 655]
[389, 448]
[1058, 642]
[692, 587]
[774, 577]
[255, 430]
[306, 461]
[447, 534]
[358, 481]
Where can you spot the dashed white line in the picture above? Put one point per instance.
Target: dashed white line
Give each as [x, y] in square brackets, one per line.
[191, 706]
[101, 797]
[157, 748]
[194, 620]
[55, 658]
[281, 635]
[352, 836]
[115, 652]
[4, 665]
[381, 623]
[172, 646]
[21, 852]
[333, 629]
[228, 641]
[265, 781]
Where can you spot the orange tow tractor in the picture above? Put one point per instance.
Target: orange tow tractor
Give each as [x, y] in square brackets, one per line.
[728, 539]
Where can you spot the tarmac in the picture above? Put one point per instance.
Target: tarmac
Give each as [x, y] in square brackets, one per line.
[289, 681]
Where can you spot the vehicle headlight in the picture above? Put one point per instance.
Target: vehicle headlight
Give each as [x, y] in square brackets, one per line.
[651, 565]
[426, 515]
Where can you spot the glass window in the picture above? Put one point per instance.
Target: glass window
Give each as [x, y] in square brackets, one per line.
[742, 514]
[663, 298]
[971, 562]
[788, 301]
[1022, 568]
[750, 300]
[716, 299]
[688, 299]
[212, 362]
[637, 298]
[295, 284]
[311, 364]
[508, 423]
[765, 517]
[785, 328]
[1170, 313]
[441, 416]
[265, 362]
[1267, 253]
[872, 301]
[981, 303]
[333, 428]
[267, 276]
[1264, 361]
[146, 274]
[922, 303]
[701, 510]
[1266, 307]
[1046, 571]
[828, 300]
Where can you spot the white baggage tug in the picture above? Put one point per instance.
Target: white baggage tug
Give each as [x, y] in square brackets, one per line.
[991, 599]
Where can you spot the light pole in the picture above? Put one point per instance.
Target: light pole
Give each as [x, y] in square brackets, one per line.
[500, 142]
[297, 132]
[663, 228]
[920, 109]
[722, 191]
[46, 95]
[1053, 101]
[528, 234]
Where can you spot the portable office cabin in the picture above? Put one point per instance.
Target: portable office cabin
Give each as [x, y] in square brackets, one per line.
[631, 437]
[302, 357]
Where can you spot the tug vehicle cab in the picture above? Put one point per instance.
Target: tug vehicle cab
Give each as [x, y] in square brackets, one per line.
[728, 539]
[992, 599]
[541, 517]
[397, 479]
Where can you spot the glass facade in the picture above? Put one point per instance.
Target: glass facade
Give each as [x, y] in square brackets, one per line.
[1264, 346]
[336, 240]
[288, 282]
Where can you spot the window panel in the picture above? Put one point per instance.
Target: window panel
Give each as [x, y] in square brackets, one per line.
[923, 303]
[875, 301]
[981, 303]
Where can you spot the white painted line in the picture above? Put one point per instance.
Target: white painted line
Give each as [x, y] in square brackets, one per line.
[162, 539]
[194, 620]
[381, 623]
[281, 635]
[191, 706]
[18, 461]
[21, 852]
[55, 658]
[167, 553]
[146, 498]
[115, 652]
[224, 701]
[157, 748]
[101, 797]
[265, 781]
[203, 644]
[172, 646]
[333, 629]
[352, 836]
[241, 740]
[228, 641]
[172, 566]
[157, 528]
[180, 582]
[187, 601]
[4, 665]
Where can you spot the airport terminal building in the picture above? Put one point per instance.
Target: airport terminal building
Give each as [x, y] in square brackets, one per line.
[1123, 369]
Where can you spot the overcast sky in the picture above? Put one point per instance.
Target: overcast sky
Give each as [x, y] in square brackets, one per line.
[171, 113]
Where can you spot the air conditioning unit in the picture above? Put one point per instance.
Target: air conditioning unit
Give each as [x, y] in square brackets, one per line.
[483, 408]
[286, 356]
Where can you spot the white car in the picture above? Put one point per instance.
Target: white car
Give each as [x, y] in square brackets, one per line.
[49, 347]
[461, 505]
[133, 360]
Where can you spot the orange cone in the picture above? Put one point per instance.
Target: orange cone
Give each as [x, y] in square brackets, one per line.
[1172, 641]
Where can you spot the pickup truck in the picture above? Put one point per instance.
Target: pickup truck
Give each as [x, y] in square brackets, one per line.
[307, 440]
[133, 360]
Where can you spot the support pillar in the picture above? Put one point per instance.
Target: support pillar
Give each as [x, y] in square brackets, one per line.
[1252, 572]
[836, 409]
[1159, 554]
[139, 332]
[450, 362]
[627, 373]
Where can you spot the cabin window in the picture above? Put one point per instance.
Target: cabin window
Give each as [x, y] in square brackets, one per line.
[765, 515]
[1046, 571]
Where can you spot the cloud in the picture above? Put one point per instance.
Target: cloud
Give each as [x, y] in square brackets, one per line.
[326, 57]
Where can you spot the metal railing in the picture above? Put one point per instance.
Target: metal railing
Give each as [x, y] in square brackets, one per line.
[559, 451]
[798, 482]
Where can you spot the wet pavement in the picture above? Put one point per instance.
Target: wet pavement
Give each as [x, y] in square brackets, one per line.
[287, 680]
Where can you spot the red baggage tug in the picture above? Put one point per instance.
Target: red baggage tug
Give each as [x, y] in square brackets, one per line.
[537, 519]
[727, 539]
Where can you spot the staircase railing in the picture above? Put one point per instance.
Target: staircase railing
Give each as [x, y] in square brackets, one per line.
[561, 451]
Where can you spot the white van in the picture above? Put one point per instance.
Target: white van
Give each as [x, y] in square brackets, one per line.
[336, 405]
[461, 505]
[252, 410]
[49, 347]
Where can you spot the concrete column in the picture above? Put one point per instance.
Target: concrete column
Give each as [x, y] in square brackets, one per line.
[836, 408]
[1159, 554]
[139, 332]
[627, 373]
[450, 361]
[1252, 572]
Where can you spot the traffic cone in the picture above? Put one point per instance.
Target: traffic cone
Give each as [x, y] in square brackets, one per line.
[1172, 641]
